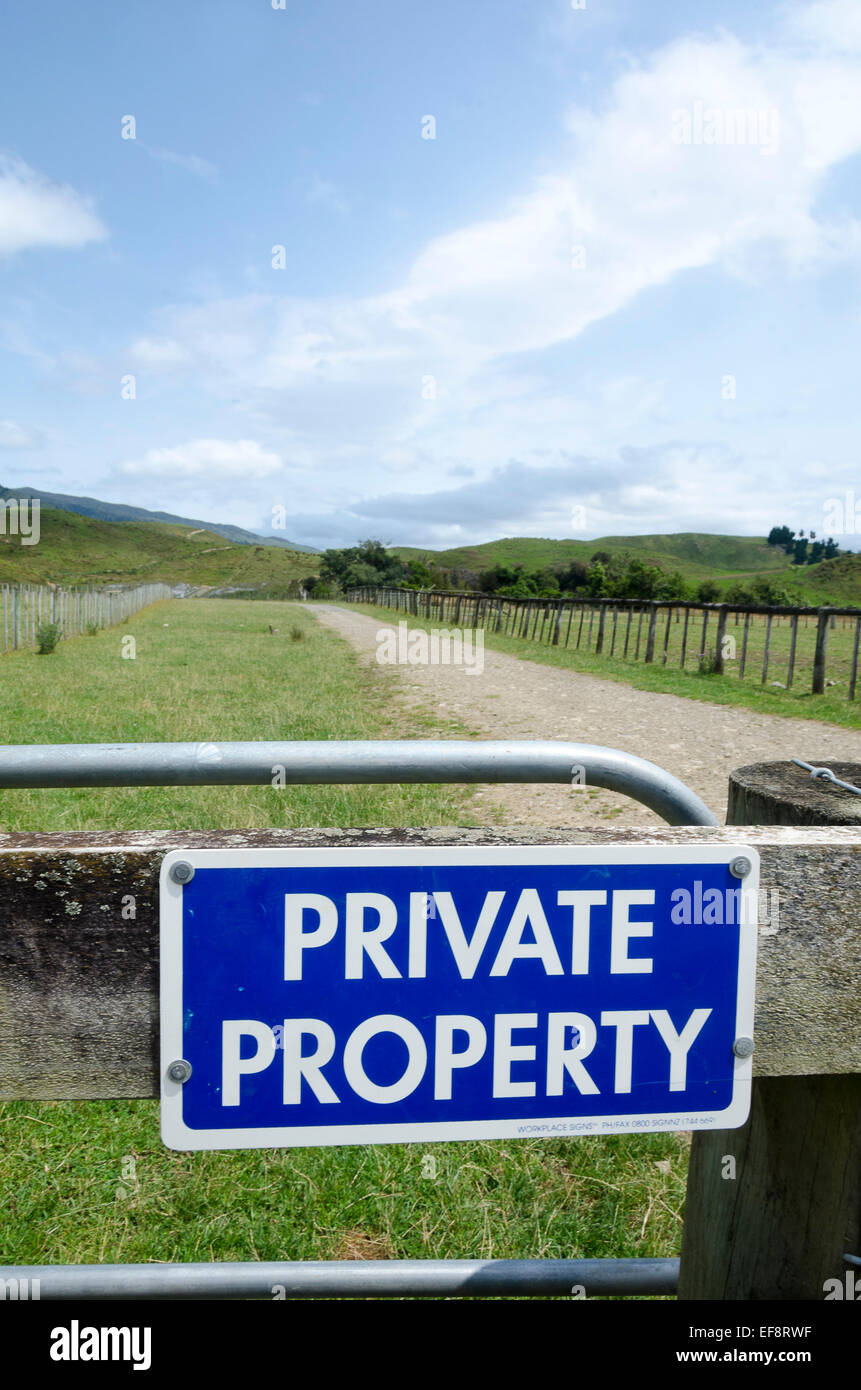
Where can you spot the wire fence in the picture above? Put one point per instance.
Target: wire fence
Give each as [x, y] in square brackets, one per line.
[778, 646]
[26, 607]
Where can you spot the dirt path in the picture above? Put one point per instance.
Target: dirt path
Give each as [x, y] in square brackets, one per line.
[514, 698]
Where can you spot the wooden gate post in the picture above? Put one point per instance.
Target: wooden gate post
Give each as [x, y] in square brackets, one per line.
[773, 1207]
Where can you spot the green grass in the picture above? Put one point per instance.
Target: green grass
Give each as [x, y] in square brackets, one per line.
[75, 549]
[89, 1181]
[66, 1201]
[205, 670]
[832, 707]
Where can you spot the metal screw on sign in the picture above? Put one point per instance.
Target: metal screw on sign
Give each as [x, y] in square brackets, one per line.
[740, 867]
[743, 1047]
[181, 872]
[179, 1071]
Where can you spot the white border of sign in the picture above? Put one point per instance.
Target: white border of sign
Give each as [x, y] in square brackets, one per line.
[177, 1135]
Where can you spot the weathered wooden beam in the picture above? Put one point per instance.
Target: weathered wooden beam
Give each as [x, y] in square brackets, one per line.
[79, 979]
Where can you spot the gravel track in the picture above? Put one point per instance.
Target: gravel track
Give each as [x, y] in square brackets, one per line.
[512, 698]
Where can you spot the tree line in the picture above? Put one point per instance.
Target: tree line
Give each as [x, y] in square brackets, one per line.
[621, 575]
[803, 550]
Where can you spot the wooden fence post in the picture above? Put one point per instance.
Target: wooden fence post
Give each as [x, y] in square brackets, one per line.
[853, 674]
[719, 639]
[792, 641]
[819, 655]
[765, 657]
[685, 636]
[667, 635]
[602, 618]
[653, 623]
[773, 1207]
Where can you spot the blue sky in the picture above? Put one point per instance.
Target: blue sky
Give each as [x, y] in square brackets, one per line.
[596, 302]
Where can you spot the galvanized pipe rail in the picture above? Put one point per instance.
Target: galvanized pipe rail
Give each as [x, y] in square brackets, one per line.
[307, 763]
[351, 1279]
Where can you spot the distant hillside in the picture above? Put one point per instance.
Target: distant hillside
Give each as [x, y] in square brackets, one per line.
[118, 511]
[835, 581]
[698, 556]
[728, 560]
[79, 549]
[75, 549]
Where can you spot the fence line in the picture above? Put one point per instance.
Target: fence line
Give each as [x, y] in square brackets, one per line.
[26, 606]
[647, 624]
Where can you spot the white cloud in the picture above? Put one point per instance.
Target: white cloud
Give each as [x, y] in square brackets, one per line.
[34, 211]
[829, 24]
[14, 436]
[644, 207]
[206, 459]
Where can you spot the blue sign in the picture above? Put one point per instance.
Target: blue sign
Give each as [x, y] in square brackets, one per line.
[378, 995]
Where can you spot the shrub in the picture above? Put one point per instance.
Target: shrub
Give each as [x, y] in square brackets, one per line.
[769, 592]
[92, 629]
[47, 637]
[297, 633]
[708, 664]
[321, 588]
[739, 594]
[708, 592]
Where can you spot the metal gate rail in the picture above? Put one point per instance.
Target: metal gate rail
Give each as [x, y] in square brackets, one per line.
[307, 763]
[304, 763]
[353, 1279]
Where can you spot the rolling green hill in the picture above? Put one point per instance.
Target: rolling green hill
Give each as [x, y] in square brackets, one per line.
[835, 581]
[696, 555]
[728, 560]
[75, 549]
